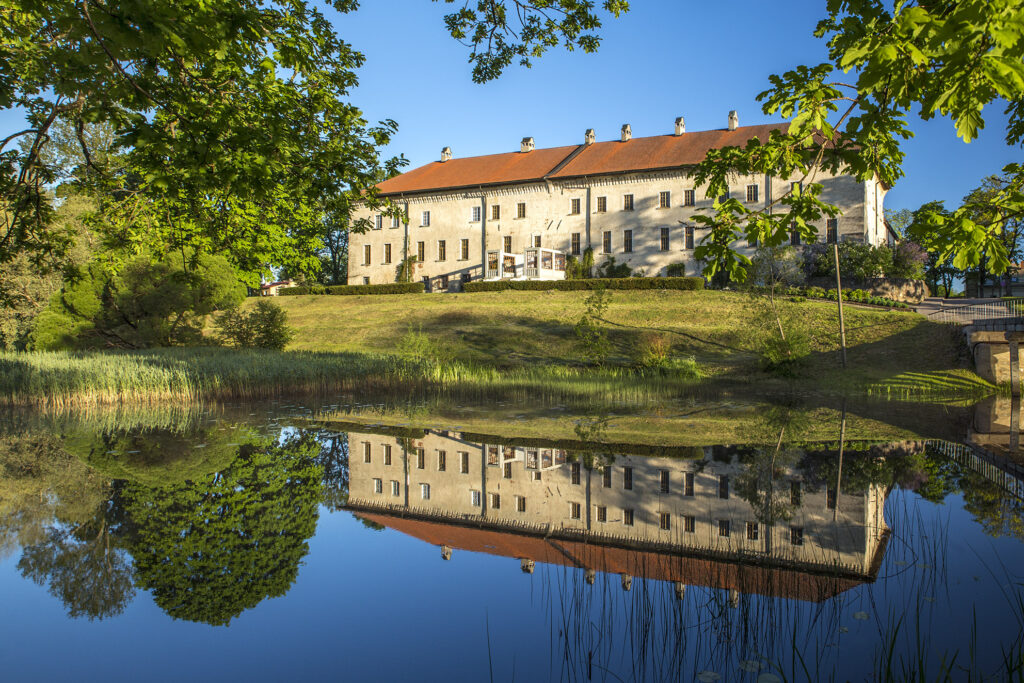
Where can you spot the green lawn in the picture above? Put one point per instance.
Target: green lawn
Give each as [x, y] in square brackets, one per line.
[889, 351]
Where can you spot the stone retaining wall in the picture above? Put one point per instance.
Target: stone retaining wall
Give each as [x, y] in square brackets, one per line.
[898, 289]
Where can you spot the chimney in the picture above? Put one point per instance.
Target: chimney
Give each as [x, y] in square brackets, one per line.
[734, 120]
[526, 145]
[680, 126]
[590, 137]
[627, 132]
[446, 154]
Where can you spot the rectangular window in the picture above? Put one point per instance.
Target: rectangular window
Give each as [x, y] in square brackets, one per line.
[602, 513]
[466, 277]
[688, 484]
[574, 207]
[795, 496]
[575, 248]
[421, 251]
[506, 244]
[474, 498]
[574, 510]
[664, 239]
[387, 454]
[367, 450]
[425, 219]
[664, 481]
[536, 241]
[396, 488]
[521, 503]
[752, 531]
[474, 214]
[378, 486]
[830, 498]
[723, 197]
[575, 470]
[723, 487]
[627, 202]
[496, 212]
[387, 253]
[627, 478]
[689, 237]
[425, 491]
[751, 193]
[492, 456]
[396, 221]
[665, 200]
[627, 517]
[421, 459]
[521, 210]
[494, 501]
[464, 250]
[796, 535]
[607, 477]
[442, 251]
[607, 245]
[794, 235]
[602, 204]
[378, 221]
[831, 230]
[689, 198]
[464, 463]
[367, 254]
[723, 528]
[508, 470]
[666, 521]
[442, 282]
[689, 523]
[442, 461]
[627, 241]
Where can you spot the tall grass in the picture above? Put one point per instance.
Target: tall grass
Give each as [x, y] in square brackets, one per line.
[65, 379]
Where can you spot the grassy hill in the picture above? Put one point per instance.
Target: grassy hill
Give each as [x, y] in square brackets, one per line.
[889, 351]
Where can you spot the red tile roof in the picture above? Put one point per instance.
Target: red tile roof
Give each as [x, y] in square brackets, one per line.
[660, 151]
[694, 571]
[493, 169]
[638, 154]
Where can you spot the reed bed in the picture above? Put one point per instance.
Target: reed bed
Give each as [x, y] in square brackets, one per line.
[188, 375]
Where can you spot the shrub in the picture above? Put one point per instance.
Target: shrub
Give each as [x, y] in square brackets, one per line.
[580, 268]
[684, 283]
[351, 290]
[676, 269]
[908, 261]
[418, 344]
[591, 338]
[654, 349]
[263, 327]
[784, 356]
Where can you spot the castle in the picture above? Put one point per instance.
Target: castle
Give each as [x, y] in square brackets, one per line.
[632, 199]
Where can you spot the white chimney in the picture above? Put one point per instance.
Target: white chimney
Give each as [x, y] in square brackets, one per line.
[680, 126]
[446, 154]
[627, 132]
[526, 145]
[590, 137]
[734, 120]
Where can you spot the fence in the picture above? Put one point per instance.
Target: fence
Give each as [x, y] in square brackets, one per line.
[997, 311]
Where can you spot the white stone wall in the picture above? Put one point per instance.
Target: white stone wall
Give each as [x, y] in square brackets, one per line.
[549, 216]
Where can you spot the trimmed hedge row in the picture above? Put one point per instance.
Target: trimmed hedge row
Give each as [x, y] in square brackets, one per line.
[349, 290]
[687, 283]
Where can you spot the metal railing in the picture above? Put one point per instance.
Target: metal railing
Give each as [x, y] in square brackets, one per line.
[1002, 311]
[1003, 472]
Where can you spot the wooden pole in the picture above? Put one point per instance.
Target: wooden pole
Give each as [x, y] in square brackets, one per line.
[839, 298]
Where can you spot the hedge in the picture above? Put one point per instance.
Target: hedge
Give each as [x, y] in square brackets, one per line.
[688, 283]
[349, 290]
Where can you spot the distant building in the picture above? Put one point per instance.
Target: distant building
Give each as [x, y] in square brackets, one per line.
[631, 199]
[669, 518]
[272, 288]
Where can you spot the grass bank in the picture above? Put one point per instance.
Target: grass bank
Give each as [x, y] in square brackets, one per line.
[892, 353]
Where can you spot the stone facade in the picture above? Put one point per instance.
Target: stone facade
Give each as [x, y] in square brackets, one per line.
[642, 218]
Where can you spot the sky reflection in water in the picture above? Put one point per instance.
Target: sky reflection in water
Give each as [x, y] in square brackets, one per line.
[246, 542]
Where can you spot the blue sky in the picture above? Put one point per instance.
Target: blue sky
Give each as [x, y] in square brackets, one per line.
[665, 58]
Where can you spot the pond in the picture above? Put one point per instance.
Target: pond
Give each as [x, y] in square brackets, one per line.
[376, 539]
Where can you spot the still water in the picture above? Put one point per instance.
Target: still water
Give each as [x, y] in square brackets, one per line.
[369, 541]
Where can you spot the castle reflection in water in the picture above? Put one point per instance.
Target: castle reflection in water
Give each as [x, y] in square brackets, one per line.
[681, 516]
